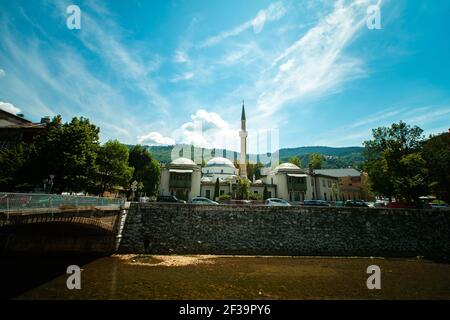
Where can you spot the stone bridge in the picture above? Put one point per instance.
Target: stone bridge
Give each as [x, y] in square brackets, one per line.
[86, 230]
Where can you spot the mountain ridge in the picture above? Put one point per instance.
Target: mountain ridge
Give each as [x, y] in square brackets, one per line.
[334, 157]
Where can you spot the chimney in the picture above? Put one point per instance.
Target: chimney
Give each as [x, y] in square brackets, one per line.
[45, 119]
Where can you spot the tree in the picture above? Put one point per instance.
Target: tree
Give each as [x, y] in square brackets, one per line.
[436, 154]
[254, 169]
[254, 196]
[146, 169]
[216, 189]
[68, 151]
[113, 168]
[394, 164]
[295, 160]
[12, 162]
[242, 188]
[265, 193]
[316, 160]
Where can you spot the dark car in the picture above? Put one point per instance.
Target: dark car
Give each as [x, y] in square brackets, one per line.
[400, 205]
[171, 199]
[355, 204]
[316, 203]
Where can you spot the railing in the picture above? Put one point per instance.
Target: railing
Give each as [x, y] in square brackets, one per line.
[19, 202]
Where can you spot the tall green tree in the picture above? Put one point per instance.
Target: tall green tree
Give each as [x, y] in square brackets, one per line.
[216, 189]
[113, 168]
[436, 153]
[254, 169]
[68, 151]
[12, 163]
[242, 189]
[296, 160]
[146, 169]
[394, 163]
[265, 193]
[316, 160]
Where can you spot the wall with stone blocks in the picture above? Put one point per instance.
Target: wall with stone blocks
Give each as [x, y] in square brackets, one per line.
[263, 230]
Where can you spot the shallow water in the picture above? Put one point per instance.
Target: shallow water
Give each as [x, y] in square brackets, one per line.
[224, 277]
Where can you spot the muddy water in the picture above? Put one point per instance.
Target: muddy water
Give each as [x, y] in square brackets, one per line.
[226, 277]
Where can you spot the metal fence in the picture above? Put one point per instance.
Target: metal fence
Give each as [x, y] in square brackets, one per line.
[13, 202]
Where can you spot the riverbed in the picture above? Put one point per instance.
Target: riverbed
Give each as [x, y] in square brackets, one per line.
[224, 277]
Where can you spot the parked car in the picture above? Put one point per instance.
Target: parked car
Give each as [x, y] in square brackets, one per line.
[439, 205]
[170, 198]
[399, 205]
[379, 204]
[203, 200]
[277, 202]
[355, 204]
[316, 203]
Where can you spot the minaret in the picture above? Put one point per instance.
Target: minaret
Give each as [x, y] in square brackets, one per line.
[243, 135]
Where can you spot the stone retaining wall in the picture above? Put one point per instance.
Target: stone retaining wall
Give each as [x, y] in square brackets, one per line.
[262, 230]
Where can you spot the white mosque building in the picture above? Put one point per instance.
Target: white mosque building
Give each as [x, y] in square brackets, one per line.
[185, 179]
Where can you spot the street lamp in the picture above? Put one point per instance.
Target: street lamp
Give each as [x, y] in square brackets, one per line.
[133, 188]
[51, 182]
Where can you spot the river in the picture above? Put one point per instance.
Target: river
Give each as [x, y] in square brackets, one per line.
[221, 277]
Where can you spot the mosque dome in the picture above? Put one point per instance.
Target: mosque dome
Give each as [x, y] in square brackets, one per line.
[220, 162]
[183, 161]
[287, 166]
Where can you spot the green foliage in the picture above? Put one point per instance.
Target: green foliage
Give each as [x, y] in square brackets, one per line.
[113, 168]
[316, 160]
[254, 169]
[265, 193]
[224, 197]
[394, 163]
[12, 162]
[254, 196]
[295, 160]
[68, 151]
[242, 189]
[436, 153]
[216, 189]
[146, 170]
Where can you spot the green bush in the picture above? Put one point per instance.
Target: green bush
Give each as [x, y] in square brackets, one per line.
[224, 197]
[254, 196]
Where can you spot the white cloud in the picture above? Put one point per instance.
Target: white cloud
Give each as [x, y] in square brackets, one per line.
[316, 63]
[181, 57]
[258, 22]
[9, 107]
[183, 77]
[208, 130]
[274, 12]
[2, 73]
[155, 138]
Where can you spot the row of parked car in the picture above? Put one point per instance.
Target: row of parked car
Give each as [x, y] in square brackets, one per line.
[268, 202]
[309, 203]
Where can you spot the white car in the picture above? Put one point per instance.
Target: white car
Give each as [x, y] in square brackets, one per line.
[203, 200]
[277, 202]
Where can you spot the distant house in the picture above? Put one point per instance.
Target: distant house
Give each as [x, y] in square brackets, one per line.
[15, 129]
[352, 183]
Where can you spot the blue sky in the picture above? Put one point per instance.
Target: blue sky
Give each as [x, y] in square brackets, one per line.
[160, 72]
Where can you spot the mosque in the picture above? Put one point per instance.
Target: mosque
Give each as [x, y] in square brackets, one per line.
[185, 179]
